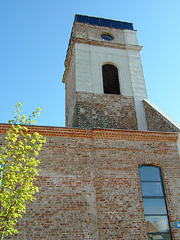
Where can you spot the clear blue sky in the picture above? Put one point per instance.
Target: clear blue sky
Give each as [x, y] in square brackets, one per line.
[34, 35]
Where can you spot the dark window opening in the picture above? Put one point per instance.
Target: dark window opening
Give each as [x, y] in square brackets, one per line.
[110, 79]
[107, 37]
[155, 210]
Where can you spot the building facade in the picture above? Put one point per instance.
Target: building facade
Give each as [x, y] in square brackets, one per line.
[114, 171]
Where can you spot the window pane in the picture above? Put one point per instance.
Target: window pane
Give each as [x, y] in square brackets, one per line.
[163, 236]
[80, 18]
[154, 206]
[157, 224]
[116, 24]
[151, 189]
[149, 173]
[127, 25]
[107, 37]
[105, 22]
[93, 21]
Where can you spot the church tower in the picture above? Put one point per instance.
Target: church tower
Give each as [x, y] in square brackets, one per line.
[103, 75]
[114, 171]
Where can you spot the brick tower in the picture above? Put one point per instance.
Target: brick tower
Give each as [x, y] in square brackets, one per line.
[103, 75]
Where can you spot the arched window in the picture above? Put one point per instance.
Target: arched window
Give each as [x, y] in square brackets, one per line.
[110, 79]
[155, 210]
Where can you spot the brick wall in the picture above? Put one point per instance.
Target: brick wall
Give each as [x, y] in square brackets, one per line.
[104, 111]
[89, 183]
[88, 51]
[70, 86]
[86, 32]
[156, 121]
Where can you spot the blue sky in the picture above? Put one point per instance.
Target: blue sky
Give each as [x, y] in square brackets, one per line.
[34, 36]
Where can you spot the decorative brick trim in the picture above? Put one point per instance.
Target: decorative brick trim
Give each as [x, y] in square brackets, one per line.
[111, 134]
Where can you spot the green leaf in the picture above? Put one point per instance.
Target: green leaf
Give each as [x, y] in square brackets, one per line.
[19, 168]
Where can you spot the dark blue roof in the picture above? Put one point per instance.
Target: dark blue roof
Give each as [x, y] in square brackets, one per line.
[103, 22]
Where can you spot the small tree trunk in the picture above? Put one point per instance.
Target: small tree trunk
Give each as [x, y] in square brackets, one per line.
[2, 235]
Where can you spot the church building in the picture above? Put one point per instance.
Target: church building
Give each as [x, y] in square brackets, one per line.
[114, 171]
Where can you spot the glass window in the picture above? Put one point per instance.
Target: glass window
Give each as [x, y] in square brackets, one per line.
[116, 24]
[154, 206]
[105, 22]
[162, 236]
[80, 18]
[127, 26]
[107, 37]
[149, 173]
[151, 189]
[93, 21]
[156, 224]
[154, 202]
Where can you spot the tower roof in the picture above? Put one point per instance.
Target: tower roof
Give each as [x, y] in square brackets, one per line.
[103, 22]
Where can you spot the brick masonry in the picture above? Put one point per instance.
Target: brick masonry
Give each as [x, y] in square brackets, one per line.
[87, 53]
[70, 88]
[89, 183]
[156, 121]
[89, 186]
[104, 111]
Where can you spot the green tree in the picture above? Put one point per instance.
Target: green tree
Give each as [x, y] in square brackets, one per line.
[18, 170]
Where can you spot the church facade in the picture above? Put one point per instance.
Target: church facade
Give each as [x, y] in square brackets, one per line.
[114, 171]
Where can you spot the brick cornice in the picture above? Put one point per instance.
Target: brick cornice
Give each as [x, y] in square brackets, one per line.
[106, 44]
[109, 134]
[134, 135]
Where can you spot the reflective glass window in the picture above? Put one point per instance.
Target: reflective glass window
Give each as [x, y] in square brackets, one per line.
[127, 26]
[116, 24]
[81, 18]
[105, 22]
[155, 210]
[157, 224]
[93, 21]
[154, 206]
[149, 173]
[151, 189]
[162, 236]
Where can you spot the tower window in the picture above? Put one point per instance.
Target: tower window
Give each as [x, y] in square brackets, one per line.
[155, 211]
[110, 79]
[107, 37]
